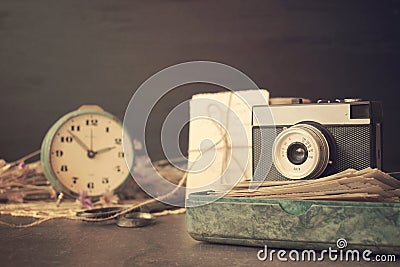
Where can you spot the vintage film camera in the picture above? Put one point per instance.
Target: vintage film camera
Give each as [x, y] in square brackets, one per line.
[315, 140]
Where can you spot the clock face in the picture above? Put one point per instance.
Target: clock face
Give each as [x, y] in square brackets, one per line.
[86, 154]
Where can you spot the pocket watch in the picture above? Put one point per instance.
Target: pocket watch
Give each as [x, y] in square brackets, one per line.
[83, 152]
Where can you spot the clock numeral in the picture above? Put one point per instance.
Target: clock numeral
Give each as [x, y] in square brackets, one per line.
[75, 179]
[118, 141]
[118, 168]
[92, 122]
[64, 168]
[121, 154]
[59, 153]
[75, 128]
[66, 139]
[105, 180]
[90, 185]
[107, 129]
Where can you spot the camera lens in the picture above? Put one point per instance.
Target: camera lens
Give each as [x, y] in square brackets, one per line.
[297, 153]
[302, 151]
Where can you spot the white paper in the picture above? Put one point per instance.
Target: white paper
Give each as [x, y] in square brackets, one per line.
[212, 116]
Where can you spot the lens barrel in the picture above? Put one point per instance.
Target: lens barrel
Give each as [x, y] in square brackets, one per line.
[302, 151]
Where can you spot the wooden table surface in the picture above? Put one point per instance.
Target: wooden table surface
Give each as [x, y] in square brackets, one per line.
[166, 243]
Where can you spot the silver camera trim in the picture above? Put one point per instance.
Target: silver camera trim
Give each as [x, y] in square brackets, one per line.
[326, 113]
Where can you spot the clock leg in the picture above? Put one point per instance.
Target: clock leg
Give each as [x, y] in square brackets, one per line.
[59, 199]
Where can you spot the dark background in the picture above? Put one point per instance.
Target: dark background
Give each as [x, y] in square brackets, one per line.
[57, 55]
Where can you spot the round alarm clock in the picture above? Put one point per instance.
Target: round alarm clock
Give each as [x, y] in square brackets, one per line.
[83, 152]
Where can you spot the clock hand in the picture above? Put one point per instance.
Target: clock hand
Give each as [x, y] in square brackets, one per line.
[104, 150]
[91, 139]
[79, 141]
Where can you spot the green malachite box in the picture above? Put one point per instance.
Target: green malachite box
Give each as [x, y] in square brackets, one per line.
[294, 224]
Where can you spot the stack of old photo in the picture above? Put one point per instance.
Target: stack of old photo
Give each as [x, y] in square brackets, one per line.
[352, 185]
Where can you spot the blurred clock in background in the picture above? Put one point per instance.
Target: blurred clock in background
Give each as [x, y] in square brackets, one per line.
[83, 152]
